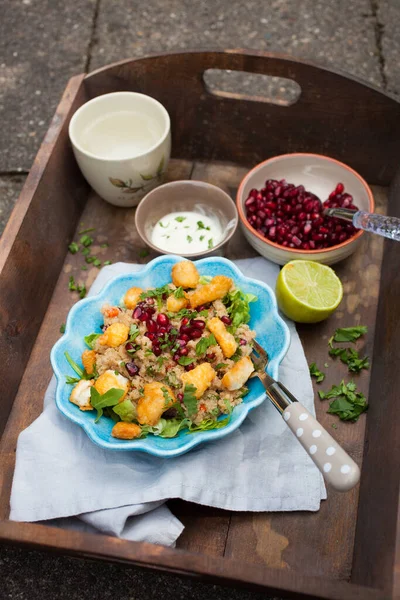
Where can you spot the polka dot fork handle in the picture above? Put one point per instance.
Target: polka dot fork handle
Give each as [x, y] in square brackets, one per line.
[338, 469]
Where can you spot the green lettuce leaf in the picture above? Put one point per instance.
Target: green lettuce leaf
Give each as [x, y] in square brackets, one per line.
[90, 339]
[208, 425]
[126, 410]
[100, 401]
[166, 428]
[238, 306]
[189, 399]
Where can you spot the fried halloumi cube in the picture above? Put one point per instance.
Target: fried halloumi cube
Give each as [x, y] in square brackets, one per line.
[218, 287]
[224, 338]
[184, 274]
[80, 395]
[115, 335]
[126, 431]
[236, 377]
[89, 361]
[132, 296]
[176, 304]
[201, 377]
[111, 380]
[157, 398]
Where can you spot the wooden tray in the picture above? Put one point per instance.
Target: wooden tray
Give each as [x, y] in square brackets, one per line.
[349, 548]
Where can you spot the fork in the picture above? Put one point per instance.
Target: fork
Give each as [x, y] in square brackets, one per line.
[336, 466]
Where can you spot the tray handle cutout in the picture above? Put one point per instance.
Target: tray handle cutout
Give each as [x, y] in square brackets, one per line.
[253, 87]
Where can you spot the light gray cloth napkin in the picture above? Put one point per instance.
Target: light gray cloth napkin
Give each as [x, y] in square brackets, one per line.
[60, 475]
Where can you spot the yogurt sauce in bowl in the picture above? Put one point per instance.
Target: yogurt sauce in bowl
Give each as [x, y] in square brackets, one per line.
[186, 232]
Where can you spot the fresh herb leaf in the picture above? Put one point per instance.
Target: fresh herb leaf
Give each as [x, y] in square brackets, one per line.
[84, 268]
[97, 263]
[143, 253]
[326, 365]
[71, 380]
[235, 357]
[105, 245]
[80, 372]
[186, 360]
[200, 225]
[334, 425]
[166, 428]
[85, 251]
[86, 231]
[86, 241]
[210, 244]
[90, 259]
[62, 328]
[244, 392]
[72, 285]
[73, 247]
[348, 334]
[161, 224]
[133, 332]
[347, 403]
[90, 339]
[180, 219]
[220, 366]
[179, 293]
[351, 358]
[238, 306]
[203, 344]
[208, 425]
[107, 262]
[315, 372]
[228, 405]
[189, 239]
[82, 291]
[204, 279]
[167, 398]
[172, 380]
[189, 399]
[100, 401]
[202, 238]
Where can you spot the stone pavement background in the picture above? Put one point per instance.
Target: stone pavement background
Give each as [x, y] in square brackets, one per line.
[43, 43]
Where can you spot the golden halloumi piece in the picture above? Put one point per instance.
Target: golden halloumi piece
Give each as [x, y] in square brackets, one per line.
[201, 377]
[115, 335]
[109, 380]
[126, 431]
[80, 395]
[89, 361]
[184, 274]
[236, 377]
[218, 287]
[132, 296]
[224, 338]
[176, 304]
[157, 398]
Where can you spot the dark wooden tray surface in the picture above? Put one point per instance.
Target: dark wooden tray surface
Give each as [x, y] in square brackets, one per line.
[351, 541]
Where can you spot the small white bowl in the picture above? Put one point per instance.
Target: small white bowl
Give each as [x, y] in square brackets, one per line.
[318, 174]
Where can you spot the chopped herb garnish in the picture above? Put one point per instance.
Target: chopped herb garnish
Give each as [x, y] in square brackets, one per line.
[189, 239]
[105, 245]
[82, 291]
[203, 344]
[73, 247]
[186, 360]
[202, 238]
[220, 366]
[210, 244]
[85, 251]
[180, 219]
[167, 398]
[86, 231]
[97, 263]
[348, 334]
[86, 241]
[326, 365]
[189, 399]
[143, 253]
[107, 262]
[235, 357]
[347, 403]
[351, 358]
[90, 259]
[62, 328]
[244, 392]
[133, 332]
[238, 306]
[315, 372]
[162, 224]
[84, 268]
[334, 425]
[200, 225]
[179, 293]
[228, 405]
[72, 285]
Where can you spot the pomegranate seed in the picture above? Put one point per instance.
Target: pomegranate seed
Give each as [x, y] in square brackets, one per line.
[182, 343]
[150, 335]
[210, 356]
[183, 351]
[242, 342]
[150, 300]
[176, 357]
[195, 334]
[307, 228]
[199, 309]
[162, 330]
[180, 396]
[162, 319]
[198, 324]
[226, 320]
[151, 326]
[185, 329]
[136, 313]
[156, 350]
[183, 337]
[339, 188]
[296, 240]
[189, 367]
[185, 321]
[132, 368]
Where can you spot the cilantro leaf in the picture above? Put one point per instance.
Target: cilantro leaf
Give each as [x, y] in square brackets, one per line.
[348, 334]
[90, 339]
[220, 366]
[203, 344]
[189, 239]
[347, 403]
[179, 293]
[161, 224]
[82, 291]
[107, 262]
[71, 284]
[201, 238]
[186, 360]
[315, 372]
[238, 306]
[200, 225]
[210, 244]
[100, 401]
[133, 332]
[144, 252]
[235, 357]
[86, 241]
[189, 399]
[351, 358]
[180, 219]
[73, 247]
[62, 328]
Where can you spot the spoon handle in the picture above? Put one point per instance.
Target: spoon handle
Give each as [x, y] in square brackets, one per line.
[386, 226]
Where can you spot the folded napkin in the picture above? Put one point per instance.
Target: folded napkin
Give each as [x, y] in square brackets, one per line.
[61, 475]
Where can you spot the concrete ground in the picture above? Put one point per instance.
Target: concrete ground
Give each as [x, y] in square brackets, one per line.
[43, 43]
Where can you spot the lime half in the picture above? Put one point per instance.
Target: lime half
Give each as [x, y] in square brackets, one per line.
[308, 292]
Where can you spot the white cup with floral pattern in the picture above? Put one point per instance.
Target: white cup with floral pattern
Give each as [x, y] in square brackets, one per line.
[122, 143]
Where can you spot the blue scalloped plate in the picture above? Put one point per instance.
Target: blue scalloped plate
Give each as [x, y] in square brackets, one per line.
[85, 318]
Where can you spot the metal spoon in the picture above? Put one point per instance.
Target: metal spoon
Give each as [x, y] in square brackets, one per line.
[386, 226]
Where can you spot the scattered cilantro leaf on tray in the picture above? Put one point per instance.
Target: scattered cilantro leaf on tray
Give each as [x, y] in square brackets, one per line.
[315, 372]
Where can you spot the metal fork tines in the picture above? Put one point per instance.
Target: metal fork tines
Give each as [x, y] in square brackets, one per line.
[276, 391]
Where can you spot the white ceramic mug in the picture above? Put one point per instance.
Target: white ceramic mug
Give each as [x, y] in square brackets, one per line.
[122, 143]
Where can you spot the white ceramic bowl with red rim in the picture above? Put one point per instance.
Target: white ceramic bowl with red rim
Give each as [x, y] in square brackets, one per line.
[318, 174]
